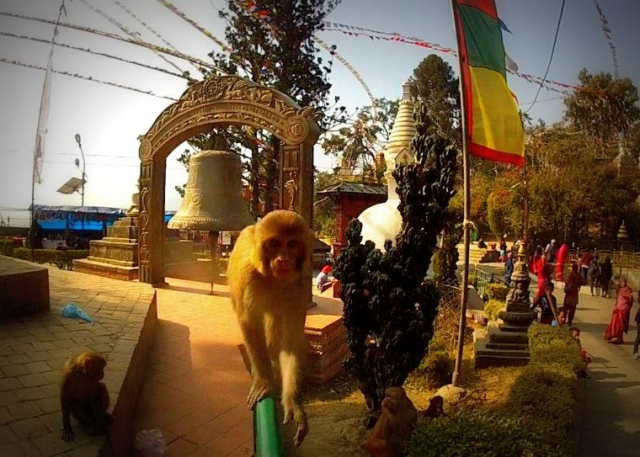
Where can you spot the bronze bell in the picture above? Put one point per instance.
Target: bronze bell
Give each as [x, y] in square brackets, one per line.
[213, 196]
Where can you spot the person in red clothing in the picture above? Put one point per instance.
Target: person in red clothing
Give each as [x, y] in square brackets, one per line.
[621, 313]
[572, 292]
[540, 268]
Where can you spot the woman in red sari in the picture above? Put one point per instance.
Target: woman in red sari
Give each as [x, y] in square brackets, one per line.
[540, 268]
[620, 318]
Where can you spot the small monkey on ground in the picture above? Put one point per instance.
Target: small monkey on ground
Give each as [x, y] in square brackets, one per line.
[391, 433]
[435, 409]
[269, 276]
[83, 395]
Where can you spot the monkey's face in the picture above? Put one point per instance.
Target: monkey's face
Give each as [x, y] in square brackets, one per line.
[285, 255]
[389, 403]
[94, 368]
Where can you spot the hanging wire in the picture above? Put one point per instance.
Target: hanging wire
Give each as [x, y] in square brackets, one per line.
[553, 50]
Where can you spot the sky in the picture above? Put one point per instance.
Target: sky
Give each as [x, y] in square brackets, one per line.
[110, 119]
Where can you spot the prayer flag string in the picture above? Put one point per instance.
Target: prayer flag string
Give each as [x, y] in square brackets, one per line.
[76, 48]
[131, 34]
[607, 33]
[87, 78]
[114, 36]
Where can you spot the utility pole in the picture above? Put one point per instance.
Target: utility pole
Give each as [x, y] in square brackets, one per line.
[79, 141]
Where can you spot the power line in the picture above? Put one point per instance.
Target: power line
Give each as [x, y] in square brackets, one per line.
[553, 50]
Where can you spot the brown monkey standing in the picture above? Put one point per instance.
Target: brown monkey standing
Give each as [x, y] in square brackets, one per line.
[269, 276]
[391, 433]
[83, 395]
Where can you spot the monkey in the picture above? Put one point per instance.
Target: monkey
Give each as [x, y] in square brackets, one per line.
[269, 277]
[83, 395]
[435, 408]
[393, 429]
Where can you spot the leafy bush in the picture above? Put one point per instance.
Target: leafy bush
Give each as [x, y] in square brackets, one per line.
[553, 345]
[546, 394]
[435, 369]
[6, 247]
[487, 434]
[492, 308]
[497, 291]
[63, 259]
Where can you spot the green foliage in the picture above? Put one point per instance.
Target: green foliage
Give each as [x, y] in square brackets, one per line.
[496, 291]
[604, 108]
[534, 420]
[389, 306]
[486, 434]
[324, 212]
[436, 369]
[435, 85]
[359, 142]
[493, 307]
[549, 345]
[6, 247]
[472, 279]
[63, 259]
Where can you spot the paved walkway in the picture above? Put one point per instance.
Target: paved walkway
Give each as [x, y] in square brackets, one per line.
[196, 383]
[609, 412]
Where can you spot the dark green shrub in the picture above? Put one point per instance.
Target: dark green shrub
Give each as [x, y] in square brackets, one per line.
[492, 308]
[436, 369]
[389, 306]
[497, 291]
[545, 393]
[553, 345]
[6, 247]
[486, 434]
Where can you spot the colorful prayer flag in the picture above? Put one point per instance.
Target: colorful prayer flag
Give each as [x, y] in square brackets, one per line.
[38, 155]
[492, 123]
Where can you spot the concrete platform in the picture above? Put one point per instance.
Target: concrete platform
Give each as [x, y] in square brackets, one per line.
[33, 349]
[24, 287]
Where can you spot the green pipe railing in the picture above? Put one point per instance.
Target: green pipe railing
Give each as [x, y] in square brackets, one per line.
[266, 435]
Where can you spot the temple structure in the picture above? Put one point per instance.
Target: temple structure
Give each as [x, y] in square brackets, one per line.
[383, 221]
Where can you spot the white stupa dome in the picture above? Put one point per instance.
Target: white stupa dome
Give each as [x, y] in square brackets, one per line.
[383, 221]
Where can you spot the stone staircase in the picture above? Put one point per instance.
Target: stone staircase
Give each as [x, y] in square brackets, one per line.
[477, 255]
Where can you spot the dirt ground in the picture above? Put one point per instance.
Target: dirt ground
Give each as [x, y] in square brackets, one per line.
[337, 410]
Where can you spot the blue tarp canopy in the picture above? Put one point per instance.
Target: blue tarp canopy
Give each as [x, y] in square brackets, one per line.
[61, 224]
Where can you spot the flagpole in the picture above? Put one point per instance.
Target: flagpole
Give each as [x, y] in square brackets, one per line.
[466, 225]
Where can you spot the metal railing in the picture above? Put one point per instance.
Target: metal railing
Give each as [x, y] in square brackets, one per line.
[266, 434]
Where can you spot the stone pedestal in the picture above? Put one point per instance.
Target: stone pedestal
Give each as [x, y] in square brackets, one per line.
[24, 287]
[116, 255]
[507, 343]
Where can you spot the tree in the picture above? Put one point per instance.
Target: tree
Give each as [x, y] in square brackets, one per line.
[389, 305]
[436, 86]
[274, 46]
[359, 143]
[603, 108]
[324, 214]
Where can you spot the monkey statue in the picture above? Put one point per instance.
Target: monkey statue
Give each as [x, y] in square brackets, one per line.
[83, 395]
[269, 276]
[393, 429]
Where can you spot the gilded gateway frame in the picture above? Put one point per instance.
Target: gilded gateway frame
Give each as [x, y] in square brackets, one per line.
[220, 101]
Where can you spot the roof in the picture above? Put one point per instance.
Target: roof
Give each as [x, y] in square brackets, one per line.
[320, 246]
[354, 188]
[80, 209]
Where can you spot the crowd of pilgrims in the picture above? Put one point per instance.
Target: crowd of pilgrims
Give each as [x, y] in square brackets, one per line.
[586, 269]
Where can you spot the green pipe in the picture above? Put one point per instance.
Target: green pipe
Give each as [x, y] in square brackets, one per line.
[266, 436]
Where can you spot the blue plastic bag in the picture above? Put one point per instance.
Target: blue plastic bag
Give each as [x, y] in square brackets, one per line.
[72, 311]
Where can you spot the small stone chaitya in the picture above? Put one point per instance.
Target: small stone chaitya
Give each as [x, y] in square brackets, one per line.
[507, 343]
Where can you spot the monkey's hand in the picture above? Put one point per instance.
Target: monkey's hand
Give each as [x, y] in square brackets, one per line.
[67, 434]
[260, 388]
[294, 411]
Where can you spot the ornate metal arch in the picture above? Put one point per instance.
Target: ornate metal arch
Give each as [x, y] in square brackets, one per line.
[222, 101]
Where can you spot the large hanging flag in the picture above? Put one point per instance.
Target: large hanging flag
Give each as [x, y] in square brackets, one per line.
[43, 117]
[492, 127]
